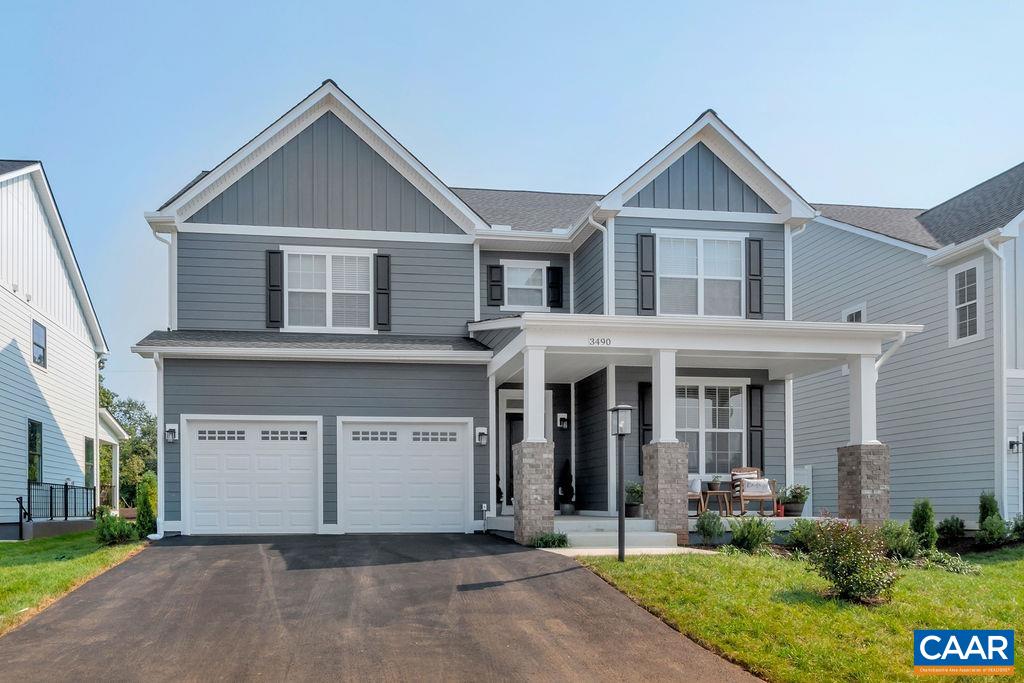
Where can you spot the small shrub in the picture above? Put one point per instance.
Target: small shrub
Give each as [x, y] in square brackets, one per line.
[1017, 528]
[852, 558]
[145, 499]
[951, 530]
[550, 540]
[751, 533]
[900, 541]
[634, 492]
[710, 526]
[951, 563]
[113, 530]
[102, 510]
[802, 534]
[987, 506]
[993, 532]
[922, 523]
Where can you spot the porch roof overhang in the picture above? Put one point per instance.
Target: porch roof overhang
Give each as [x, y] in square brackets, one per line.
[110, 430]
[584, 344]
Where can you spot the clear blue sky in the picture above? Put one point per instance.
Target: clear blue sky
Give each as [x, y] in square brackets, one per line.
[900, 104]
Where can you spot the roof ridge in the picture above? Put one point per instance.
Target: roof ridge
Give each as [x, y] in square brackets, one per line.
[496, 189]
[22, 161]
[973, 187]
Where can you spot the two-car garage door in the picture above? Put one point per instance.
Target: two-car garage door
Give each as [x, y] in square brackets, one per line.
[261, 476]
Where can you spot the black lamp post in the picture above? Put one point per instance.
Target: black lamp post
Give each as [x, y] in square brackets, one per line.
[622, 423]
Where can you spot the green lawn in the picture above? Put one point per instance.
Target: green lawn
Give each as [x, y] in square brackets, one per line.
[35, 573]
[768, 614]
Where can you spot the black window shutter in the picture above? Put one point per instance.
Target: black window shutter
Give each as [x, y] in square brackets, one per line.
[755, 428]
[555, 287]
[275, 288]
[755, 292]
[646, 286]
[495, 285]
[382, 292]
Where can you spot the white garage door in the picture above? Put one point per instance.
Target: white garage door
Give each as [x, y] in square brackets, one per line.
[252, 477]
[410, 477]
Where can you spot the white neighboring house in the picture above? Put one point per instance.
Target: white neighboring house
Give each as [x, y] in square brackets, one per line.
[50, 421]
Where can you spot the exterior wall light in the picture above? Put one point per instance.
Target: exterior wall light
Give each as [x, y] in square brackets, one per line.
[481, 436]
[562, 421]
[170, 433]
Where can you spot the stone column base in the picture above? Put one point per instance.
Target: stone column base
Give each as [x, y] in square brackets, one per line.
[666, 499]
[533, 472]
[864, 471]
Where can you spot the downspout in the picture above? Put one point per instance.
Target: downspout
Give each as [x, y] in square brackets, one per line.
[604, 260]
[169, 243]
[161, 474]
[891, 350]
[998, 266]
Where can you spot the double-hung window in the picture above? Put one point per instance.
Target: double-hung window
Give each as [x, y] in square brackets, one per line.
[711, 420]
[966, 302]
[328, 289]
[38, 344]
[525, 285]
[700, 273]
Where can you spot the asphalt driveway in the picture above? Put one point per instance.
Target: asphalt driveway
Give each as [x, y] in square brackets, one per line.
[424, 607]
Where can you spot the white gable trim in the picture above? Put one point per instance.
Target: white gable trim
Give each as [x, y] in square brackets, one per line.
[60, 237]
[735, 153]
[863, 232]
[327, 98]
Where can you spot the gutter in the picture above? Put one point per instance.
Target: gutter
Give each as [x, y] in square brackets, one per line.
[954, 252]
[307, 354]
[900, 340]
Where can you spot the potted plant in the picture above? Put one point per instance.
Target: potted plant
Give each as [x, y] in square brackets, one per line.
[566, 492]
[634, 499]
[793, 499]
[716, 483]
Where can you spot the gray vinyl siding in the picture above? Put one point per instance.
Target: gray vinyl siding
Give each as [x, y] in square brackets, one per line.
[326, 177]
[774, 258]
[493, 258]
[496, 339]
[1014, 255]
[775, 431]
[935, 403]
[561, 395]
[699, 180]
[327, 389]
[588, 274]
[222, 282]
[1014, 425]
[592, 442]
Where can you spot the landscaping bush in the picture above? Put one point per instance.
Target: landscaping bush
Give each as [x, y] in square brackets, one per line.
[113, 530]
[145, 499]
[550, 540]
[852, 558]
[993, 532]
[634, 492]
[951, 530]
[751, 533]
[899, 540]
[1017, 528]
[987, 506]
[802, 534]
[922, 523]
[710, 526]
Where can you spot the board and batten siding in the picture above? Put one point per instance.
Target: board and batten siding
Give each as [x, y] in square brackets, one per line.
[1014, 427]
[592, 442]
[61, 396]
[494, 258]
[222, 282]
[329, 389]
[699, 180]
[588, 275]
[935, 403]
[774, 257]
[326, 177]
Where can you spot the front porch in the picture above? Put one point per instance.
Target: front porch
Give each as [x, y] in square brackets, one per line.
[712, 395]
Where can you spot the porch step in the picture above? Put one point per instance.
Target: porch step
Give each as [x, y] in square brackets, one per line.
[610, 539]
[581, 524]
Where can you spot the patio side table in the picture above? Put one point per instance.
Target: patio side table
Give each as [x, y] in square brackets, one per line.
[724, 497]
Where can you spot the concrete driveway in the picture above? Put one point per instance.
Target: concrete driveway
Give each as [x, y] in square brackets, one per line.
[424, 607]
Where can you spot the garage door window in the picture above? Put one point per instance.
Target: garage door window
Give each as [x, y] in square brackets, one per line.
[221, 435]
[374, 435]
[284, 435]
[447, 437]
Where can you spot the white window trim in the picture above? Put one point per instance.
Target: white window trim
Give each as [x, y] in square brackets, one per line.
[513, 263]
[951, 273]
[326, 252]
[862, 307]
[702, 429]
[701, 236]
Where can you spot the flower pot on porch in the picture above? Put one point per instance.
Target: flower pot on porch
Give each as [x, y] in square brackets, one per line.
[714, 486]
[793, 509]
[634, 509]
[567, 508]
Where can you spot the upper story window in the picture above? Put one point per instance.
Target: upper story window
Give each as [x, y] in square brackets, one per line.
[966, 302]
[328, 289]
[700, 273]
[855, 314]
[525, 285]
[38, 344]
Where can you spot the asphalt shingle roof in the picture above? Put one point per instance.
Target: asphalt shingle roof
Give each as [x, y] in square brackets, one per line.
[235, 339]
[527, 210]
[11, 165]
[900, 224]
[984, 207]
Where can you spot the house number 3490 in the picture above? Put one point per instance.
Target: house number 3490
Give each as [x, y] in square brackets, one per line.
[600, 341]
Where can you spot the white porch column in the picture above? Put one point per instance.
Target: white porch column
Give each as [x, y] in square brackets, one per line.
[663, 391]
[533, 394]
[863, 412]
[115, 478]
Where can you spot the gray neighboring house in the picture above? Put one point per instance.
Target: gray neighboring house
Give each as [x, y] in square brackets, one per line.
[951, 403]
[355, 346]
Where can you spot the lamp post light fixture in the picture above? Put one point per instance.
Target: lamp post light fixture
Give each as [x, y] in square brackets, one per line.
[622, 425]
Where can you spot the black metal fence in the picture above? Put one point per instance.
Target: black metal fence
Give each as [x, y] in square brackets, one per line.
[60, 501]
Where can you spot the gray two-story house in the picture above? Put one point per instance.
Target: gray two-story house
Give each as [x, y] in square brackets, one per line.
[354, 346]
[951, 404]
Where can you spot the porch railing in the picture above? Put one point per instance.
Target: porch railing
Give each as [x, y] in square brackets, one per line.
[60, 501]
